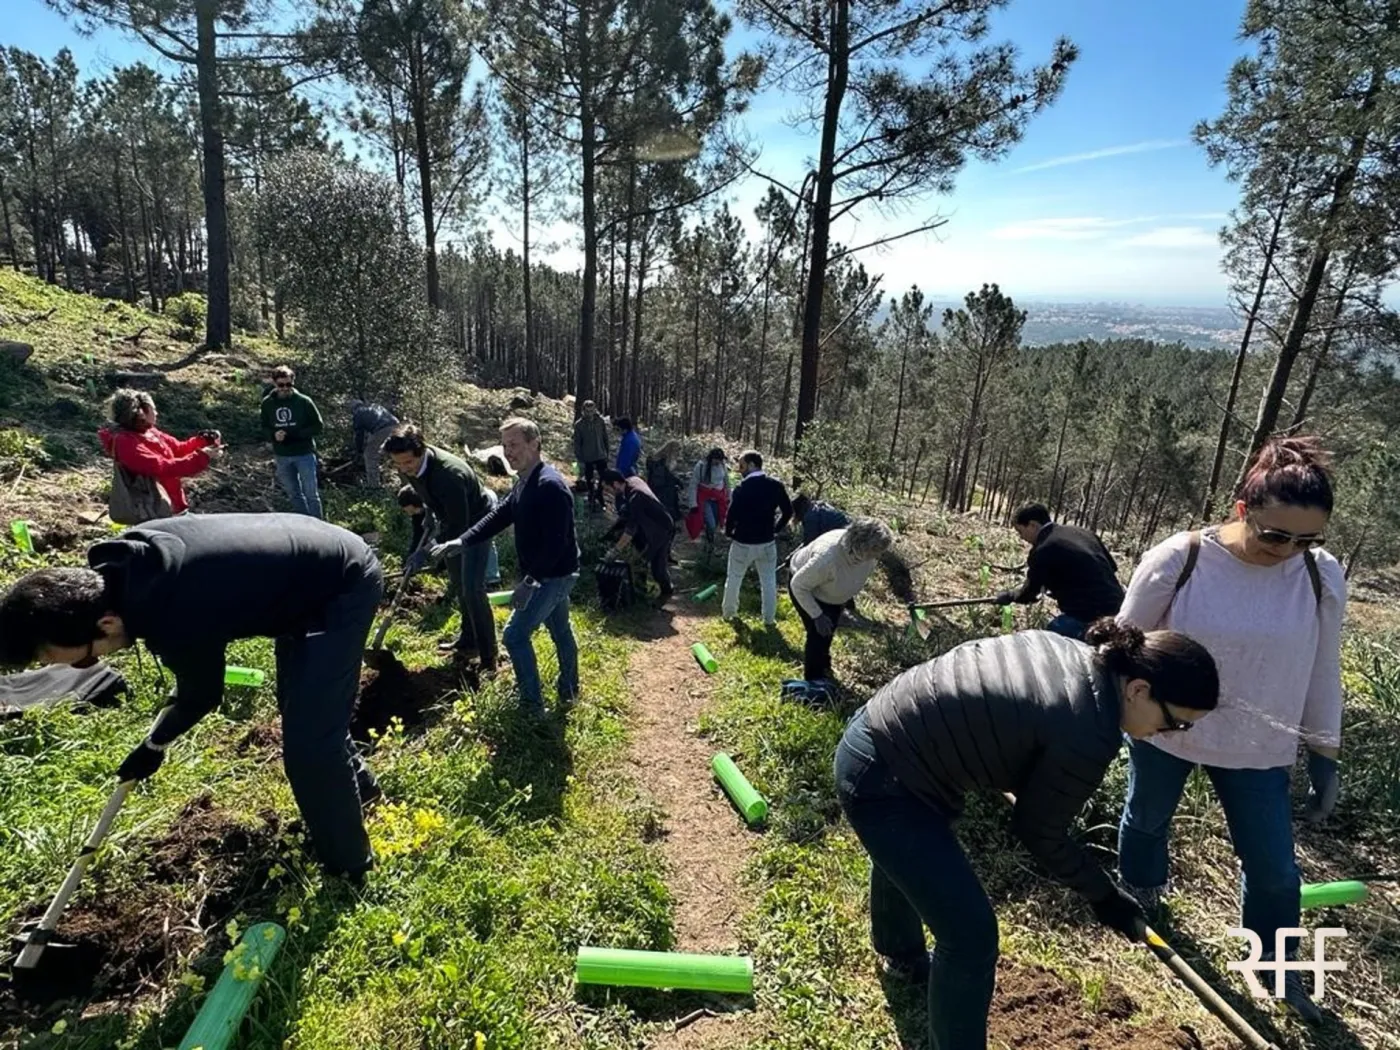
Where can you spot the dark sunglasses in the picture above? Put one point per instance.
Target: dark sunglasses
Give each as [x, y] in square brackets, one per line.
[1282, 538]
[1173, 724]
[283, 386]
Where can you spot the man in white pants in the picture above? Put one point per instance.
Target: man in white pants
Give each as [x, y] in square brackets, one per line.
[758, 511]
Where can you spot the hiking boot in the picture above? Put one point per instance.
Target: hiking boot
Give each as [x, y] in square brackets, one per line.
[909, 968]
[370, 795]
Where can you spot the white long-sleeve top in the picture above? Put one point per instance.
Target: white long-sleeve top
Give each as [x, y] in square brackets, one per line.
[1277, 649]
[714, 477]
[824, 571]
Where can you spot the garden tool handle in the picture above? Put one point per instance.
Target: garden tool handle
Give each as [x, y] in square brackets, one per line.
[34, 948]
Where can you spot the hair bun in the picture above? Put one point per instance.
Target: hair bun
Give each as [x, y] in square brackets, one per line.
[1292, 451]
[1111, 637]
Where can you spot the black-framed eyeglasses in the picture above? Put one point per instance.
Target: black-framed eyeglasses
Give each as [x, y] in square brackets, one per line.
[1283, 538]
[1173, 724]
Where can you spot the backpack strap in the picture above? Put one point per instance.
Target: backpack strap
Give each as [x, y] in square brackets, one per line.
[1314, 575]
[1193, 552]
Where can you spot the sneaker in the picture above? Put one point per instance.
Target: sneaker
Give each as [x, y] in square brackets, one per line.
[910, 968]
[1295, 993]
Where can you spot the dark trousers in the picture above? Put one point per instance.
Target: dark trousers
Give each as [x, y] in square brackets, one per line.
[658, 551]
[318, 676]
[919, 877]
[466, 576]
[816, 652]
[593, 478]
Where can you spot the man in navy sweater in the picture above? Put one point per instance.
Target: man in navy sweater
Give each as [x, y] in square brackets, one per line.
[758, 511]
[541, 508]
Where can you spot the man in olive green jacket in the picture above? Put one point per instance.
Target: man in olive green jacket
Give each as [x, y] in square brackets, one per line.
[452, 491]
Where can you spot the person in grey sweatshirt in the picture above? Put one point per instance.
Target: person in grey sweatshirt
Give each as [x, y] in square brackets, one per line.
[1034, 714]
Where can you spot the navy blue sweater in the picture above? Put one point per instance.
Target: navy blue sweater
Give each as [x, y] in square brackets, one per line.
[758, 510]
[541, 508]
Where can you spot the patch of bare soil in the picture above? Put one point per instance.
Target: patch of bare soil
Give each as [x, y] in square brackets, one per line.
[394, 692]
[122, 939]
[1035, 1009]
[705, 842]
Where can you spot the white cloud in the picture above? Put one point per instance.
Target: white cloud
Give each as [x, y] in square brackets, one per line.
[1150, 146]
[1073, 228]
[1174, 237]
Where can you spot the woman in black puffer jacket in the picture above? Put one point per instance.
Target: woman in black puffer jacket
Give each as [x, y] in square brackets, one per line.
[1034, 715]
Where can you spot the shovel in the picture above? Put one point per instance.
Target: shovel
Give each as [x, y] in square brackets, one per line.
[31, 946]
[379, 658]
[921, 622]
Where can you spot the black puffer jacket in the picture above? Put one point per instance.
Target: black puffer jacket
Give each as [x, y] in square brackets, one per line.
[1034, 713]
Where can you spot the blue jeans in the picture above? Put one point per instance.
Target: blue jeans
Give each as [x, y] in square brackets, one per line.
[920, 877]
[710, 507]
[1260, 818]
[1068, 626]
[297, 476]
[318, 677]
[548, 605]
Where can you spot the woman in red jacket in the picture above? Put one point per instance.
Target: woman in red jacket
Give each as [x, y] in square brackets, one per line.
[136, 444]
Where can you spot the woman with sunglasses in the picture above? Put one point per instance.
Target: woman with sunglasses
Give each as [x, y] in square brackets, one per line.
[1267, 602]
[1034, 714]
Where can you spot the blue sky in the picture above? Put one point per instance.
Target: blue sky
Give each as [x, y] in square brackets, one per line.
[1104, 199]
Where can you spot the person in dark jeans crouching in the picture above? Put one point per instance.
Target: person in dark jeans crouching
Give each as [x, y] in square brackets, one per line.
[1033, 712]
[187, 587]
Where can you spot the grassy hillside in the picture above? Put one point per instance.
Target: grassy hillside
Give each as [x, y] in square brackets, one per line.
[501, 849]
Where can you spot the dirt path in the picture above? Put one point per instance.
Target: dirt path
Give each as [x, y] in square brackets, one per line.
[706, 843]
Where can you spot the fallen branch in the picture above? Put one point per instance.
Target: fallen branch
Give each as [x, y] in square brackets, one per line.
[137, 337]
[40, 317]
[690, 1018]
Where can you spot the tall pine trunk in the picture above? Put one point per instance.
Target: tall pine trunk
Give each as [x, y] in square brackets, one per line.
[218, 325]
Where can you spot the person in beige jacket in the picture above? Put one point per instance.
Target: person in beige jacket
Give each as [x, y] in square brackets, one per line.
[826, 574]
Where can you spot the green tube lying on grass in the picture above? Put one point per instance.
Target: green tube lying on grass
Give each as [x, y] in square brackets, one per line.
[500, 597]
[745, 796]
[635, 969]
[218, 1020]
[1331, 894]
[704, 657]
[706, 593]
[249, 676]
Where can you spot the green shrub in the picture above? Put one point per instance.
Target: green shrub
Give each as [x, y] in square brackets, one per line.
[188, 311]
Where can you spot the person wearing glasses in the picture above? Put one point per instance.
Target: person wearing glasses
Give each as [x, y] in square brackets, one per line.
[292, 422]
[1268, 603]
[1034, 714]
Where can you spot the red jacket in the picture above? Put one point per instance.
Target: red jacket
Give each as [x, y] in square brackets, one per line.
[154, 453]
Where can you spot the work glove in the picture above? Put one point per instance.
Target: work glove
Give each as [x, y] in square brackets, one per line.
[142, 762]
[1120, 911]
[1006, 598]
[450, 549]
[1322, 796]
[416, 561]
[212, 436]
[824, 626]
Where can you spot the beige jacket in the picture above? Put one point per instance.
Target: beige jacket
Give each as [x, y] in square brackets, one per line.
[823, 571]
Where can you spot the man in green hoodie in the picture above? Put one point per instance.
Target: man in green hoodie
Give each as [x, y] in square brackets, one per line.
[291, 421]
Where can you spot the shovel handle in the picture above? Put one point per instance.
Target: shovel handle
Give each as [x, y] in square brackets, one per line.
[952, 603]
[1208, 996]
[34, 947]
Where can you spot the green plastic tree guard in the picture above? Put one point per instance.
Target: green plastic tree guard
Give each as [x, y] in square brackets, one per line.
[731, 974]
[249, 676]
[19, 529]
[1331, 894]
[706, 593]
[500, 597]
[218, 1019]
[1008, 619]
[745, 796]
[704, 657]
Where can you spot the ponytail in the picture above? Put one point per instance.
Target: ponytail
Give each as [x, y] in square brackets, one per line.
[1179, 670]
[1290, 470]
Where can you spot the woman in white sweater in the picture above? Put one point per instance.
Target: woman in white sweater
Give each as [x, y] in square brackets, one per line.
[1267, 602]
